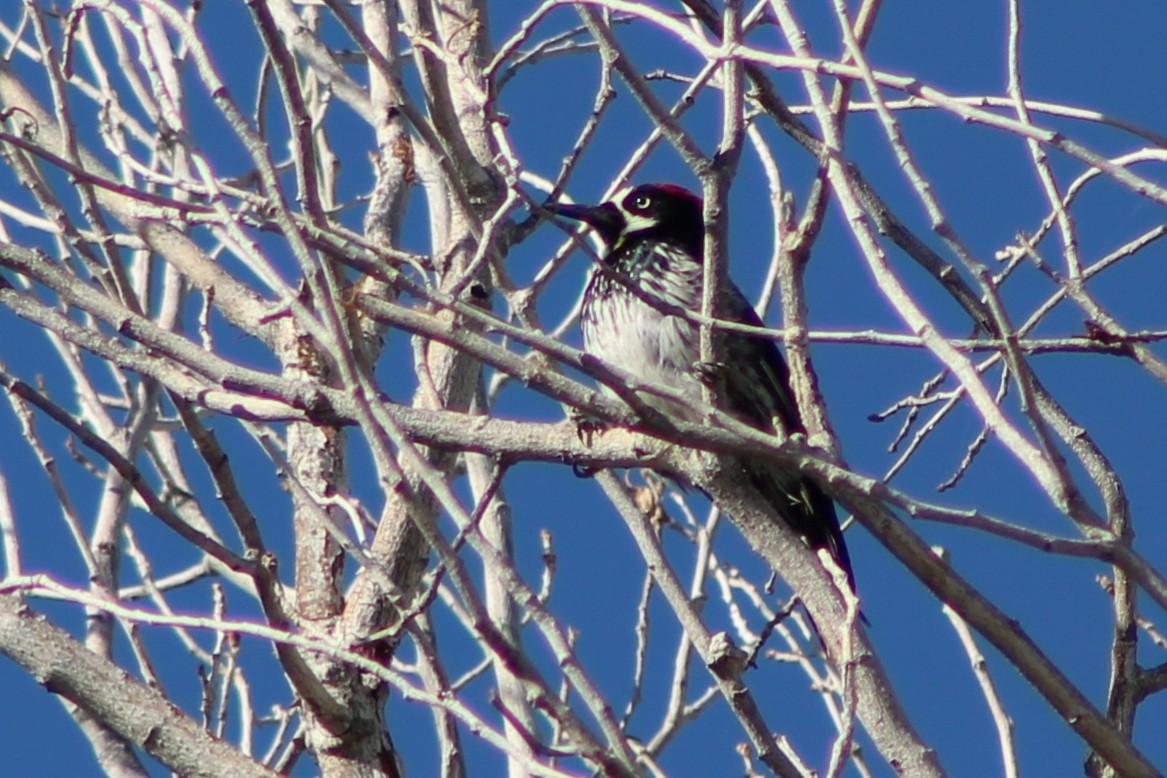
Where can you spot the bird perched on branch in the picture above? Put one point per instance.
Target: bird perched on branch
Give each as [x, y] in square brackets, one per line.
[633, 318]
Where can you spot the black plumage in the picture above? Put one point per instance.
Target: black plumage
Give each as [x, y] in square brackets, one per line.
[654, 236]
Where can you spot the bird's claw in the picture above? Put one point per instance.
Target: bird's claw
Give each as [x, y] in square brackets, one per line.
[586, 425]
[708, 373]
[583, 471]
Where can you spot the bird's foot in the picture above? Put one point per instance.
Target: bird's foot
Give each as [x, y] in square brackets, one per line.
[709, 373]
[586, 425]
[583, 471]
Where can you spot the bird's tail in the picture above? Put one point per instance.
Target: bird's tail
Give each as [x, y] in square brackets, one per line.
[806, 509]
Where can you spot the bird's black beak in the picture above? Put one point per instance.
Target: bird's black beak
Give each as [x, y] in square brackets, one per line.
[605, 218]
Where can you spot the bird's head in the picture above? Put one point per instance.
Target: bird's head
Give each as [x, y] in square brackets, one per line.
[662, 212]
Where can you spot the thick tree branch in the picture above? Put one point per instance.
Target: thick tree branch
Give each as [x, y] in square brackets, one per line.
[137, 712]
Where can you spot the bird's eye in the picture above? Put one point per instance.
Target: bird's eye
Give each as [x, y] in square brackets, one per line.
[642, 202]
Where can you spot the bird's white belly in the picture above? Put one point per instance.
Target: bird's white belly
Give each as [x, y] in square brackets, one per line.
[660, 351]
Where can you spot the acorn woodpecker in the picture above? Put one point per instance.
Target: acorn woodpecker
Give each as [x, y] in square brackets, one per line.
[651, 271]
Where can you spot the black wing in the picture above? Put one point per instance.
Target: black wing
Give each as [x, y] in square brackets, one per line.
[757, 390]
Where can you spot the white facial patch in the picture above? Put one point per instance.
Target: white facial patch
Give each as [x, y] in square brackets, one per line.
[633, 221]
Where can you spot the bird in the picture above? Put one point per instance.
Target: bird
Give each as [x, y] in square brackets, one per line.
[650, 272]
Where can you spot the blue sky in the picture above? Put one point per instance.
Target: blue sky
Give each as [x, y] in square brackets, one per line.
[1104, 57]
